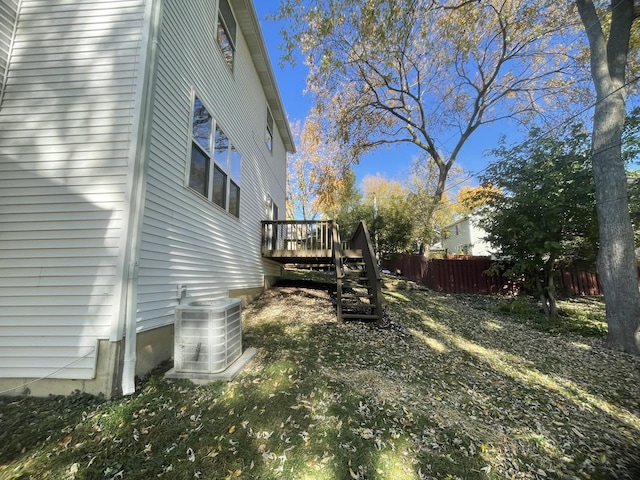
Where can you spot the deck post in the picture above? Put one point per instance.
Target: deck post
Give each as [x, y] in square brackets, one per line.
[337, 262]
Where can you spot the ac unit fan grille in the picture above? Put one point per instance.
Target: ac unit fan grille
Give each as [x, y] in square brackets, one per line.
[208, 336]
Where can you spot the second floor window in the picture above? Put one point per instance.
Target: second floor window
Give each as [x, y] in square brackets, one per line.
[268, 134]
[226, 32]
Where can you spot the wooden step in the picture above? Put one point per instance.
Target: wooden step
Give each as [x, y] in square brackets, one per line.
[353, 268]
[358, 316]
[352, 265]
[358, 305]
[355, 273]
[360, 292]
[356, 295]
[365, 310]
[355, 284]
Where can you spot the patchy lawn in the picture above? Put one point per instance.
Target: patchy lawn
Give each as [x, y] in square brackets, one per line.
[456, 387]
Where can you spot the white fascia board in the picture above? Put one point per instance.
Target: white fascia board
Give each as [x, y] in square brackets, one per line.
[250, 26]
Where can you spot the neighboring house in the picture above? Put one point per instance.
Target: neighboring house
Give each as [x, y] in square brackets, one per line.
[142, 142]
[466, 237]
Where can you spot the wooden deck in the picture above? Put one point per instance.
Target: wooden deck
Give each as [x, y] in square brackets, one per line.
[290, 241]
[358, 282]
[299, 256]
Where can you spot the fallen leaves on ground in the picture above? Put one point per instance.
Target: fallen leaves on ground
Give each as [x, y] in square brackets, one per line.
[449, 390]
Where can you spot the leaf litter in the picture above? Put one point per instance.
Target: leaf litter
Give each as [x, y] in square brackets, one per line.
[450, 389]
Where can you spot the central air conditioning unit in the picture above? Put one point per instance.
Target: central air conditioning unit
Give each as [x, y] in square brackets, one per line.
[208, 335]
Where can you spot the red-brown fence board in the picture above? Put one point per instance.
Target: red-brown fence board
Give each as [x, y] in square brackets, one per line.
[580, 282]
[459, 275]
[465, 274]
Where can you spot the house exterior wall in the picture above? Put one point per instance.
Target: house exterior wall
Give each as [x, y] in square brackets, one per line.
[66, 122]
[479, 246]
[466, 237]
[187, 240]
[8, 16]
[457, 237]
[96, 221]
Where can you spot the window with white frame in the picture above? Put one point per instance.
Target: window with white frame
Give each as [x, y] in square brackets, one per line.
[200, 149]
[226, 32]
[268, 134]
[215, 163]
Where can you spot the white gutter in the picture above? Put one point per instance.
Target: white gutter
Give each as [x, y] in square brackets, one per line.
[141, 136]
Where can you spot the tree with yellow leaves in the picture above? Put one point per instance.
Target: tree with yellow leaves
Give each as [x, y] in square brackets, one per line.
[418, 72]
[314, 175]
[471, 198]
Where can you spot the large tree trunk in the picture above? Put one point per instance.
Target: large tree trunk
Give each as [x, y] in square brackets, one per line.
[551, 296]
[542, 296]
[616, 257]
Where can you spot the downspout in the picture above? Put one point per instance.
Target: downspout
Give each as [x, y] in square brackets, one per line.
[140, 150]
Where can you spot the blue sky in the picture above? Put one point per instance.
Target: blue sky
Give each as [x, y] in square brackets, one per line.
[390, 163]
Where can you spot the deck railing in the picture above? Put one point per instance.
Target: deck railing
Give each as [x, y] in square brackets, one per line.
[318, 243]
[297, 238]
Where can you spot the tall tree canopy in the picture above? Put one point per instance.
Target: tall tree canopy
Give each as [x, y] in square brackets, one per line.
[394, 211]
[538, 208]
[315, 177]
[471, 199]
[391, 224]
[609, 35]
[429, 73]
[347, 210]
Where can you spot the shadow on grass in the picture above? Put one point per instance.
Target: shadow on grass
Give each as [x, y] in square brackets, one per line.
[27, 422]
[448, 391]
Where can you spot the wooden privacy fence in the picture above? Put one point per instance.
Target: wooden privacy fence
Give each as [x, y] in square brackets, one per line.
[580, 283]
[467, 275]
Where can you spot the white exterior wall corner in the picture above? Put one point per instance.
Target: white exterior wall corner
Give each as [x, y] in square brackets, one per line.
[66, 139]
[470, 237]
[186, 240]
[453, 241]
[477, 234]
[8, 22]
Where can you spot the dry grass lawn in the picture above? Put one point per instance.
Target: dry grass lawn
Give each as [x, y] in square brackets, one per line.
[454, 388]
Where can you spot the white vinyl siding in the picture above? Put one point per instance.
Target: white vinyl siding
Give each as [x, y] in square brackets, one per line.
[479, 246]
[458, 237]
[187, 240]
[467, 237]
[65, 139]
[8, 16]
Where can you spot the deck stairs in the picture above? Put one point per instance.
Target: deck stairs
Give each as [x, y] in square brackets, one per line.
[358, 281]
[354, 289]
